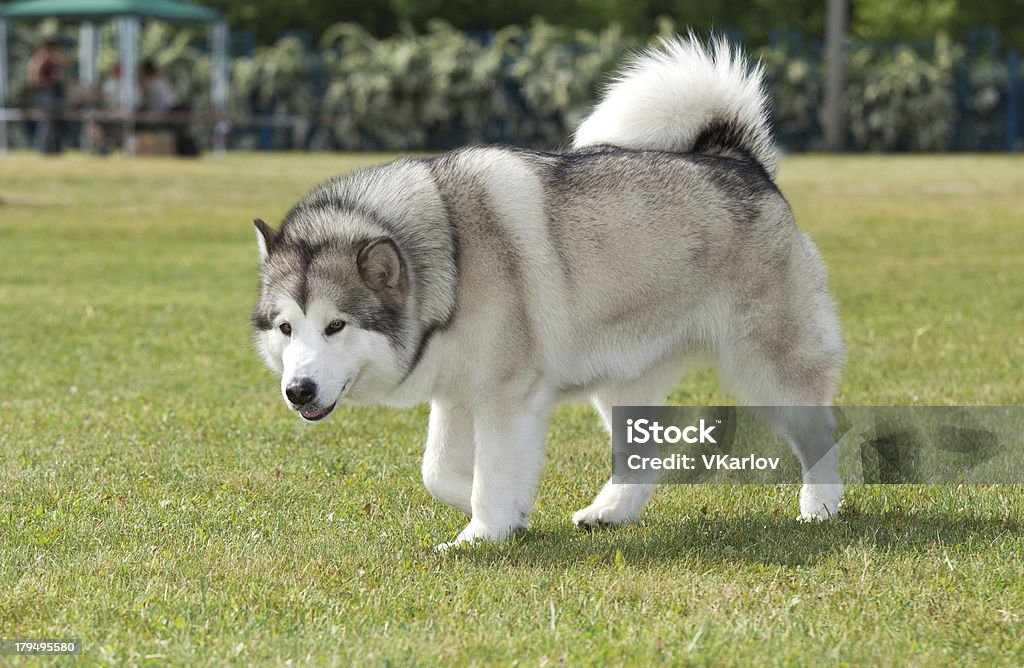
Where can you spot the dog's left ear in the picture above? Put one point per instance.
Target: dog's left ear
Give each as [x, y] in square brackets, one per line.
[380, 265]
[266, 237]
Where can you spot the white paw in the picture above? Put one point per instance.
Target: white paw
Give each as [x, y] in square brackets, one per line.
[445, 548]
[819, 502]
[476, 531]
[599, 514]
[614, 504]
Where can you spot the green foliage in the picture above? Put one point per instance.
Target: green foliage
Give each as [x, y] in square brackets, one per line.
[637, 18]
[558, 73]
[899, 99]
[924, 19]
[444, 87]
[1007, 16]
[268, 19]
[988, 80]
[755, 20]
[902, 20]
[275, 79]
[796, 86]
[896, 20]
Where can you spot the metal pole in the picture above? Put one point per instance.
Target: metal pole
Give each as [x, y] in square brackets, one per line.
[87, 47]
[127, 42]
[835, 36]
[219, 85]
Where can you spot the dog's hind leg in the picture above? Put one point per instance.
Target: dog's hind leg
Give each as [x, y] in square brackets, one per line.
[795, 389]
[621, 503]
[448, 460]
[810, 430]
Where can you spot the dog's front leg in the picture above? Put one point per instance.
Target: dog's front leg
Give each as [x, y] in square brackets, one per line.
[448, 460]
[507, 464]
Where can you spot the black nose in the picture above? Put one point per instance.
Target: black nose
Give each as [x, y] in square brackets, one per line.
[301, 391]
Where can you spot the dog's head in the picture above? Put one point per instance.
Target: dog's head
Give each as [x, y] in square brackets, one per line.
[332, 317]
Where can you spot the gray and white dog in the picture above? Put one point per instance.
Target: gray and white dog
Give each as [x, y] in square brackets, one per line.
[495, 282]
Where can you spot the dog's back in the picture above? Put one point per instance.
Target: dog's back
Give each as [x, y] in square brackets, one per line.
[608, 260]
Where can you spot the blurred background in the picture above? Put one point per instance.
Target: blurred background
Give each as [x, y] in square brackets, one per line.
[408, 75]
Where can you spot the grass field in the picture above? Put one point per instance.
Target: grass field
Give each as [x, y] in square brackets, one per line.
[160, 503]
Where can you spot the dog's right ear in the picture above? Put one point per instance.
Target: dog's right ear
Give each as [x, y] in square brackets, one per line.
[266, 237]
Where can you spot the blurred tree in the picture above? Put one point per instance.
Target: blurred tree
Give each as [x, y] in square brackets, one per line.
[268, 19]
[898, 20]
[755, 19]
[902, 20]
[491, 14]
[1007, 16]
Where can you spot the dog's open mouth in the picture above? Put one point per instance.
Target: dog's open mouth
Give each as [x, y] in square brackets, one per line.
[313, 413]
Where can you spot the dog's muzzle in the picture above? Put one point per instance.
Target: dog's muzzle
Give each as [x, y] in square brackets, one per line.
[302, 393]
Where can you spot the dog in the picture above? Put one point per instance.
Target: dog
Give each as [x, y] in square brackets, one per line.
[495, 282]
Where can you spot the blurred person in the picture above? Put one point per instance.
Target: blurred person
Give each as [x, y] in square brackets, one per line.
[153, 95]
[110, 89]
[45, 77]
[157, 94]
[109, 101]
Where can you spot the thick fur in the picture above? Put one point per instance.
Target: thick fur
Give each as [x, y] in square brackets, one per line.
[495, 282]
[725, 109]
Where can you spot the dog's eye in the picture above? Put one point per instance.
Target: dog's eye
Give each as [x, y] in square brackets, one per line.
[285, 328]
[334, 326]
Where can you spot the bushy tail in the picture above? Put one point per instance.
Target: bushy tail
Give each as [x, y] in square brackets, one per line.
[685, 97]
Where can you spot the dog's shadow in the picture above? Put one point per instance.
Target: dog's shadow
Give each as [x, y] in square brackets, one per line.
[772, 539]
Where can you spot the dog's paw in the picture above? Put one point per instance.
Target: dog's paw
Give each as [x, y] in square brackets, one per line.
[445, 548]
[599, 515]
[819, 502]
[476, 532]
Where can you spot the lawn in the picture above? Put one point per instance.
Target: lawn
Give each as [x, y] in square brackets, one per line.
[160, 503]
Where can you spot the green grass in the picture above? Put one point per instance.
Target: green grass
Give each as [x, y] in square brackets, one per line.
[160, 503]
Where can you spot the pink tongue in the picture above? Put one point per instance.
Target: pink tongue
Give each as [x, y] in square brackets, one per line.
[312, 413]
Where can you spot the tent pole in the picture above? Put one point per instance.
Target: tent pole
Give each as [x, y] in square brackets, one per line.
[127, 42]
[87, 41]
[219, 85]
[3, 88]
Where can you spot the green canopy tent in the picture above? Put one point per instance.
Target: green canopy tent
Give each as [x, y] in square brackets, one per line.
[127, 14]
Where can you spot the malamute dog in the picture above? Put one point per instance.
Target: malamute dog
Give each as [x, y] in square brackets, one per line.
[495, 282]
